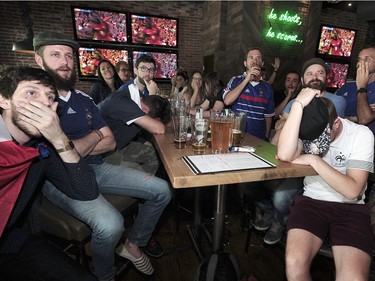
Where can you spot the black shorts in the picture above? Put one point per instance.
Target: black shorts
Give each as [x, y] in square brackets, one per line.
[338, 223]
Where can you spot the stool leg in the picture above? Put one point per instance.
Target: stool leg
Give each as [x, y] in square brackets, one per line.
[82, 256]
[248, 236]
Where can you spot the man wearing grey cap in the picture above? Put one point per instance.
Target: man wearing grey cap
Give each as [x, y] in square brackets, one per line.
[82, 122]
[331, 207]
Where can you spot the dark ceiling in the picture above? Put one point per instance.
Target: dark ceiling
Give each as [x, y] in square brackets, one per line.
[341, 5]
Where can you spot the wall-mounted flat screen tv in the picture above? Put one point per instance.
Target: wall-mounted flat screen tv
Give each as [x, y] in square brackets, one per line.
[89, 59]
[336, 41]
[337, 75]
[154, 30]
[99, 25]
[166, 62]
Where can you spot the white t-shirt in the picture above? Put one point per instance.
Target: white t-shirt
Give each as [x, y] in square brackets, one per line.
[178, 94]
[352, 149]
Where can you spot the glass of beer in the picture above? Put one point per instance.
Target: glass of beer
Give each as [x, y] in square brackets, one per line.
[239, 128]
[221, 123]
[180, 121]
[200, 129]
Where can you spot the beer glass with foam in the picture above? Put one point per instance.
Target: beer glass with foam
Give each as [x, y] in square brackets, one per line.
[221, 123]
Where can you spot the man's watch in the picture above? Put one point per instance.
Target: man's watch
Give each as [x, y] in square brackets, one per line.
[68, 146]
[361, 90]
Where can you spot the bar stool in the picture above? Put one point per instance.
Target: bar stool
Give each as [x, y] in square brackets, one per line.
[57, 224]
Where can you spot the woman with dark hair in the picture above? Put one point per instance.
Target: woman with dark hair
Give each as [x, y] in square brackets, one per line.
[108, 81]
[196, 89]
[179, 85]
[213, 97]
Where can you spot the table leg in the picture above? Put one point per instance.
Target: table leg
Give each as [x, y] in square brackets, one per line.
[197, 208]
[195, 230]
[219, 218]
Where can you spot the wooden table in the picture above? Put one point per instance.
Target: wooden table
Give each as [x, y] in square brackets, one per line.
[181, 176]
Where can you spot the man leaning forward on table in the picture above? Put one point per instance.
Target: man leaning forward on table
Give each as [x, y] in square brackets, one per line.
[332, 205]
[82, 122]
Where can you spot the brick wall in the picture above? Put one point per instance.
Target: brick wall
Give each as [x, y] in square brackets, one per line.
[227, 35]
[219, 30]
[56, 15]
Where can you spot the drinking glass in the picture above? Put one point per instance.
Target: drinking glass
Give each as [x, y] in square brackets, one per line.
[200, 129]
[180, 121]
[239, 128]
[221, 123]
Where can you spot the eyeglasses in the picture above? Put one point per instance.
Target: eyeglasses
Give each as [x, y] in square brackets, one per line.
[197, 78]
[124, 70]
[144, 69]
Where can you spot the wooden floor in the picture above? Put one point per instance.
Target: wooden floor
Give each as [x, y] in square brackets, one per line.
[265, 263]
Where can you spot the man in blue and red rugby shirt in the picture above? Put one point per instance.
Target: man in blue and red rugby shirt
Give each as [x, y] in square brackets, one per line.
[248, 93]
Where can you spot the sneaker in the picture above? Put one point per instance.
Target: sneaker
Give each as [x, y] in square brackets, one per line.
[264, 223]
[153, 248]
[274, 233]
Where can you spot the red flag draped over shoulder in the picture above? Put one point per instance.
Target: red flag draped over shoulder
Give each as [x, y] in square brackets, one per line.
[15, 161]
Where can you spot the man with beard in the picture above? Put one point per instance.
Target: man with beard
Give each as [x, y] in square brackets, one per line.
[250, 94]
[143, 84]
[83, 124]
[360, 94]
[314, 75]
[33, 148]
[360, 100]
[275, 213]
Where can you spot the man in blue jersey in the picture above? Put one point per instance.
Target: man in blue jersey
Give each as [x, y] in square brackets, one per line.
[248, 93]
[360, 94]
[143, 84]
[83, 124]
[132, 127]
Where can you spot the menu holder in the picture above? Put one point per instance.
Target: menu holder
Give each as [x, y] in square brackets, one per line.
[228, 162]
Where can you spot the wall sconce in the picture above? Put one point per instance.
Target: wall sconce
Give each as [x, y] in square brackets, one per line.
[26, 45]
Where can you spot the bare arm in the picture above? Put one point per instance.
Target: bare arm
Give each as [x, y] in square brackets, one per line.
[289, 146]
[349, 185]
[194, 96]
[278, 126]
[186, 96]
[279, 109]
[364, 112]
[150, 124]
[95, 144]
[276, 66]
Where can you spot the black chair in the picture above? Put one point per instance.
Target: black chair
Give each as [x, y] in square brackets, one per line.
[60, 226]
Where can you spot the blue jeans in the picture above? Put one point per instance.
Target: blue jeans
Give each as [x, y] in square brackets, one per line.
[105, 221]
[282, 197]
[136, 155]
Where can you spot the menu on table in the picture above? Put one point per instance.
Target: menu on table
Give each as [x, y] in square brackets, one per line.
[217, 163]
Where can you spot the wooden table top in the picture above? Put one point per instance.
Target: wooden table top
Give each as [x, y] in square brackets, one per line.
[181, 176]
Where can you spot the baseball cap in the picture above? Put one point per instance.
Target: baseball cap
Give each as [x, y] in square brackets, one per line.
[314, 61]
[314, 128]
[53, 38]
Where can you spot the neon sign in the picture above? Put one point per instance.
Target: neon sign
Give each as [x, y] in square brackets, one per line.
[283, 26]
